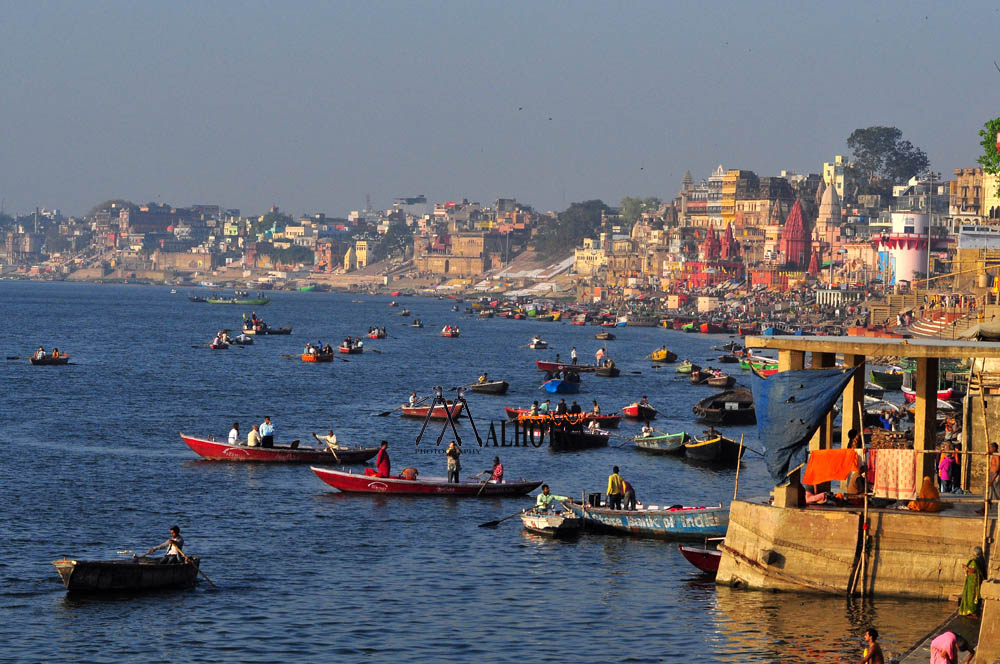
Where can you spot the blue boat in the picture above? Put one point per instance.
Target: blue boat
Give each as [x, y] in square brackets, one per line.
[768, 331]
[674, 522]
[559, 386]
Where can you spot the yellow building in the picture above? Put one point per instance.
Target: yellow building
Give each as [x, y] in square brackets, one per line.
[737, 185]
[361, 253]
[588, 260]
[991, 200]
[833, 173]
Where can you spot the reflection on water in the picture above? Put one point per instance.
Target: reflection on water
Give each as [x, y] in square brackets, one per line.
[815, 628]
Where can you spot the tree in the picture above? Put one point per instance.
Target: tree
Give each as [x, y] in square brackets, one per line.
[395, 241]
[569, 228]
[990, 159]
[269, 221]
[632, 208]
[880, 153]
[118, 202]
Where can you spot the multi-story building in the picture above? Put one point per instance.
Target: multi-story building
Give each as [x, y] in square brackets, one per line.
[834, 174]
[965, 197]
[737, 185]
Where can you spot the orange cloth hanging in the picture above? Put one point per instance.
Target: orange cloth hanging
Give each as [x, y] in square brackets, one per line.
[827, 465]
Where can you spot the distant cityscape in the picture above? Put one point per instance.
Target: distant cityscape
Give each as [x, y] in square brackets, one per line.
[837, 228]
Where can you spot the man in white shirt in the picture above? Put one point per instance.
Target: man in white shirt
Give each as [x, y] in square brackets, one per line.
[330, 439]
[234, 434]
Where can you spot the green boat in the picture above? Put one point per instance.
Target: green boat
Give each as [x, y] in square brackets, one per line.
[686, 367]
[664, 443]
[306, 289]
[689, 327]
[759, 366]
[255, 301]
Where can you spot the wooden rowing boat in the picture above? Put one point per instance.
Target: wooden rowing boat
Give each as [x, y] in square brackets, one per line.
[607, 372]
[601, 336]
[716, 449]
[430, 486]
[562, 439]
[609, 421]
[640, 411]
[490, 387]
[553, 367]
[664, 443]
[663, 355]
[218, 450]
[439, 411]
[559, 386]
[137, 574]
[551, 524]
[890, 380]
[730, 407]
[687, 367]
[351, 350]
[722, 381]
[703, 557]
[48, 360]
[317, 357]
[676, 522]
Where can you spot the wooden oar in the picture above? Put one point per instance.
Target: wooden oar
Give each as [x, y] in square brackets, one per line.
[12, 357]
[188, 560]
[494, 524]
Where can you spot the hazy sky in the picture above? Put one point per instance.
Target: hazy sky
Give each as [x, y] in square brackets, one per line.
[313, 105]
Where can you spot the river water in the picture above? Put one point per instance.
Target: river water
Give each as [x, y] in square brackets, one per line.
[93, 465]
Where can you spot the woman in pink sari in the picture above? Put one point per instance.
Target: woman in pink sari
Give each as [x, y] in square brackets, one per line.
[944, 649]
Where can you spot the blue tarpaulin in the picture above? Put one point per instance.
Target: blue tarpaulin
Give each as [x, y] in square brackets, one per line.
[790, 406]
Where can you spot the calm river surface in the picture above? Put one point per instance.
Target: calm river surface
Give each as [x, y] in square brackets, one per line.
[93, 465]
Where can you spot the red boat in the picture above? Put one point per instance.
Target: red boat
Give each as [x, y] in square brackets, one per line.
[560, 366]
[910, 396]
[219, 450]
[610, 421]
[449, 331]
[744, 330]
[321, 357]
[640, 411]
[353, 350]
[711, 328]
[680, 322]
[704, 558]
[377, 335]
[438, 414]
[432, 486]
[394, 293]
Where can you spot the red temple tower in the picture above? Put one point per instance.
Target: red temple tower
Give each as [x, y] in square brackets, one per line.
[794, 238]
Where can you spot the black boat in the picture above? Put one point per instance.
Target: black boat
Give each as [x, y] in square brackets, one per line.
[567, 439]
[491, 387]
[607, 372]
[604, 336]
[137, 574]
[729, 407]
[715, 448]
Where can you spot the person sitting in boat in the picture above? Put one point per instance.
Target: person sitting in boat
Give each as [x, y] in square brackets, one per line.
[644, 402]
[561, 407]
[173, 547]
[594, 428]
[595, 410]
[382, 463]
[576, 408]
[55, 356]
[413, 399]
[253, 438]
[545, 499]
[535, 409]
[217, 341]
[409, 474]
[330, 439]
[40, 353]
[446, 329]
[234, 434]
[571, 376]
[327, 350]
[485, 378]
[308, 350]
[647, 430]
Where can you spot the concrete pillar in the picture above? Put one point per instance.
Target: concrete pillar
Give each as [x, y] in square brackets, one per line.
[791, 495]
[791, 360]
[925, 417]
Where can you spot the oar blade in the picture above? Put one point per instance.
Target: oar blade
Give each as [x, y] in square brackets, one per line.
[489, 524]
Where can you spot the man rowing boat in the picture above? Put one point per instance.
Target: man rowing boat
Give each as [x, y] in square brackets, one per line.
[545, 499]
[173, 547]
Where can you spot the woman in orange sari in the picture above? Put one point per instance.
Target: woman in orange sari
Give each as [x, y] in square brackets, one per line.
[928, 500]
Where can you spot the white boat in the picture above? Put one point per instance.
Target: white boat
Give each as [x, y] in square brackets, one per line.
[553, 524]
[537, 343]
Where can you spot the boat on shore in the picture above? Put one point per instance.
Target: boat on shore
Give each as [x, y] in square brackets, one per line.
[730, 407]
[432, 486]
[522, 415]
[126, 575]
[564, 439]
[910, 396]
[562, 523]
[714, 449]
[490, 387]
[640, 411]
[439, 412]
[675, 522]
[220, 450]
[663, 443]
[48, 360]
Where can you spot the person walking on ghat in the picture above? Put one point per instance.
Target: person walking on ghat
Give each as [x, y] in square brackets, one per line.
[873, 651]
[173, 547]
[454, 464]
[616, 489]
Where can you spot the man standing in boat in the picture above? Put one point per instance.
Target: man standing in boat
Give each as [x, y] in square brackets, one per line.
[572, 355]
[454, 463]
[267, 433]
[382, 464]
[616, 489]
[234, 434]
[172, 545]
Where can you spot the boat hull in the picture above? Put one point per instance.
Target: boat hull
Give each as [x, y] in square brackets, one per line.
[492, 387]
[357, 483]
[552, 524]
[250, 302]
[664, 356]
[49, 361]
[733, 407]
[521, 415]
[608, 372]
[694, 523]
[559, 386]
[439, 413]
[309, 357]
[720, 450]
[639, 411]
[887, 380]
[705, 559]
[560, 366]
[565, 440]
[354, 350]
[217, 450]
[672, 443]
[111, 576]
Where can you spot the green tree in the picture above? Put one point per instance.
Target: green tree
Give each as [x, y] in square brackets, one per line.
[119, 202]
[569, 228]
[269, 221]
[633, 207]
[990, 159]
[395, 241]
[881, 153]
